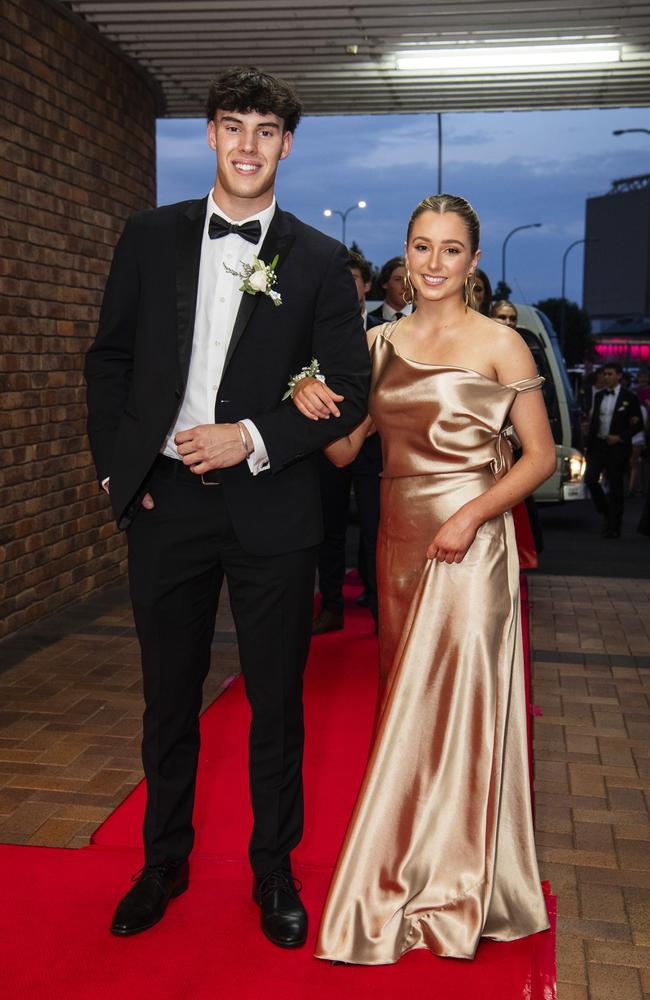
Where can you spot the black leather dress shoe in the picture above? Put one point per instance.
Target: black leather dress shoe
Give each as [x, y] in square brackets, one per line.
[327, 621]
[145, 904]
[611, 533]
[284, 918]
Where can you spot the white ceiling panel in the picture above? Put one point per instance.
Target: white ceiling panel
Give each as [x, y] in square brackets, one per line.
[343, 57]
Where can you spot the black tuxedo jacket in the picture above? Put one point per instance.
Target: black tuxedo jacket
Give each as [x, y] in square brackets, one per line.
[375, 318]
[137, 368]
[623, 423]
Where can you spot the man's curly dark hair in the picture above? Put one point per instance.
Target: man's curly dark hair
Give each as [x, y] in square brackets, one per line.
[246, 88]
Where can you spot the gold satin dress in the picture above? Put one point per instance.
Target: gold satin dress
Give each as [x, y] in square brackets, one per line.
[440, 848]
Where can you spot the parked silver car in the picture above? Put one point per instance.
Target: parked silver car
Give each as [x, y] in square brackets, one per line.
[567, 482]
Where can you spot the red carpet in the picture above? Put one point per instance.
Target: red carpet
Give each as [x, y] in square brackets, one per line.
[57, 903]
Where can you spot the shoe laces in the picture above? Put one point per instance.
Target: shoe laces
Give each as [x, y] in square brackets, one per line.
[281, 880]
[155, 872]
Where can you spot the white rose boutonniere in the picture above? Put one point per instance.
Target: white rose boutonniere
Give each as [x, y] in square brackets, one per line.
[258, 277]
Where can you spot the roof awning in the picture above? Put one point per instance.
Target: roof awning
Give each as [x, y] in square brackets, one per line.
[386, 57]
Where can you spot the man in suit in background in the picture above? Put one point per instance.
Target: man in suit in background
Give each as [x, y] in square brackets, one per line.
[392, 280]
[214, 477]
[615, 419]
[336, 486]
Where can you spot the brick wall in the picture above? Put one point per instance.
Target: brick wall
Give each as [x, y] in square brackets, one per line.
[78, 128]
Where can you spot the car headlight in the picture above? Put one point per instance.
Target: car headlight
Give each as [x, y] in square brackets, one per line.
[574, 468]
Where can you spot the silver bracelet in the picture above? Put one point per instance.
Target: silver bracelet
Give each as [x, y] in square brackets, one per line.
[244, 441]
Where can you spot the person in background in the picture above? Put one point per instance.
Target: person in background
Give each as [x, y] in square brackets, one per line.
[360, 271]
[592, 382]
[640, 452]
[504, 312]
[482, 292]
[396, 304]
[638, 457]
[615, 419]
[643, 527]
[336, 486]
[642, 388]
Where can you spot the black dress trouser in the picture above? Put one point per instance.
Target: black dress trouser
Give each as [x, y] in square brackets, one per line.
[179, 554]
[335, 495]
[612, 459]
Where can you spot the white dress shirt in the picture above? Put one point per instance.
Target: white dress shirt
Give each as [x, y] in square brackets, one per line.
[606, 412]
[389, 314]
[217, 302]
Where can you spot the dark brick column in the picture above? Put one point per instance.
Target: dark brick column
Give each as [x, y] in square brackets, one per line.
[78, 128]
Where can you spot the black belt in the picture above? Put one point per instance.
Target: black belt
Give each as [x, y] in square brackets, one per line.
[172, 468]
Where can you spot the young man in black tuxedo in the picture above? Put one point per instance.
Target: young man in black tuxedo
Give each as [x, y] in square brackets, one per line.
[392, 280]
[615, 419]
[213, 476]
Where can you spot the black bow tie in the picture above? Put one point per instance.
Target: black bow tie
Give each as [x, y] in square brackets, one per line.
[249, 231]
[609, 392]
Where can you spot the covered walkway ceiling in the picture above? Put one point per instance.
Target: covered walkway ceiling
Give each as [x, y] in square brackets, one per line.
[344, 57]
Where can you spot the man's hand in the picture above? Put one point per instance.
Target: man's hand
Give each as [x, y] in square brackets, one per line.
[147, 500]
[212, 446]
[316, 400]
[613, 439]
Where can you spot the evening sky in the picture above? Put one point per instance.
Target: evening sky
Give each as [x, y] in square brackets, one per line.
[514, 167]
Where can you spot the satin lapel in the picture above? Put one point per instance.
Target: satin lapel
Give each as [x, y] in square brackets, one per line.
[189, 235]
[279, 239]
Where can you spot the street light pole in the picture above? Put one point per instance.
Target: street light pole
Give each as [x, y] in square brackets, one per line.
[517, 229]
[575, 243]
[336, 211]
[439, 113]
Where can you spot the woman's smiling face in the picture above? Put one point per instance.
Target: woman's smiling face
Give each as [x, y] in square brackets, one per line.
[439, 255]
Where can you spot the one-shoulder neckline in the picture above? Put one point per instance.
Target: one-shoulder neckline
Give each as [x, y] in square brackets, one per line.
[454, 368]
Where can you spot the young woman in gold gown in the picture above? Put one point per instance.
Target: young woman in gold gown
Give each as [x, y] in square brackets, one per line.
[440, 849]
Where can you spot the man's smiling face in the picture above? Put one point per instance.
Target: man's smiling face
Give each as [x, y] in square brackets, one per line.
[249, 147]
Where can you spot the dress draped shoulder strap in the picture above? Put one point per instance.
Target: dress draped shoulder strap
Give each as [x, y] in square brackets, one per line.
[387, 329]
[525, 384]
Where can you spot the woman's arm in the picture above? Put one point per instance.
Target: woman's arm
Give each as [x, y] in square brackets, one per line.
[346, 449]
[315, 399]
[537, 463]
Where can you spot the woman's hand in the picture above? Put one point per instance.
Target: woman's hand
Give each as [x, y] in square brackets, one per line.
[453, 539]
[316, 400]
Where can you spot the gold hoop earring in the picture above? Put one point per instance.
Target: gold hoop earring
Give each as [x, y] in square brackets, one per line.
[468, 290]
[408, 294]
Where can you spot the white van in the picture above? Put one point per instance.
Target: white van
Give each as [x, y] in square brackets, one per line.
[567, 482]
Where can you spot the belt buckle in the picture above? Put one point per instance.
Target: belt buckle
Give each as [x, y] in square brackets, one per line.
[208, 483]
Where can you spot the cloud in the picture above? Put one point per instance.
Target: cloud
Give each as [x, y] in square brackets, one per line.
[515, 168]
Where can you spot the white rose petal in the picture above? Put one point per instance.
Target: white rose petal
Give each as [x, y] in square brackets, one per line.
[258, 281]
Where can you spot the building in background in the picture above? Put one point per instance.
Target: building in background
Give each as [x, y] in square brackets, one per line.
[617, 271]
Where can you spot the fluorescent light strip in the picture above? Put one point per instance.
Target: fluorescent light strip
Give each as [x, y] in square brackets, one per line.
[505, 58]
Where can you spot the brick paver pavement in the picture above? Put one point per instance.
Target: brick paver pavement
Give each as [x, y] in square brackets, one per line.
[591, 655]
[70, 718]
[70, 708]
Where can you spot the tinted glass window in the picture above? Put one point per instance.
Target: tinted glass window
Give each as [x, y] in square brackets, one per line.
[549, 390]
